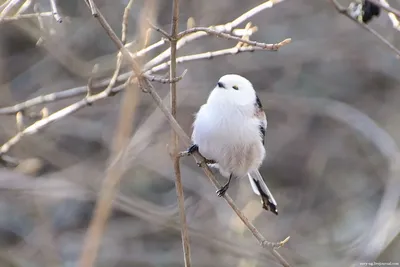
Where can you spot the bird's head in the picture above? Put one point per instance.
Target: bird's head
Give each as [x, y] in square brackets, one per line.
[232, 88]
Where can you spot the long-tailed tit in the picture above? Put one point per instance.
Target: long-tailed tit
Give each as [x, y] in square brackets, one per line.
[229, 131]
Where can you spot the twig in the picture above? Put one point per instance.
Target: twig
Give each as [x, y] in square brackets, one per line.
[152, 65]
[23, 7]
[7, 9]
[27, 16]
[158, 29]
[344, 11]
[74, 92]
[54, 9]
[92, 7]
[206, 55]
[164, 80]
[174, 137]
[273, 47]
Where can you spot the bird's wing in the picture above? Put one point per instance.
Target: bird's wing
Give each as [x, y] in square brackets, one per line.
[260, 114]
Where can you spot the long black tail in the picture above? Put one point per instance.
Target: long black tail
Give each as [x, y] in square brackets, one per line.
[260, 188]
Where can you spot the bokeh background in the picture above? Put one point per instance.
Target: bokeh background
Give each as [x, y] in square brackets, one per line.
[331, 98]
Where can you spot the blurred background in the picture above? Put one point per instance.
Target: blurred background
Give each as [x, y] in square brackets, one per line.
[331, 98]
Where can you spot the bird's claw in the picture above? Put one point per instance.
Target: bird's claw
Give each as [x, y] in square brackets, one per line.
[190, 151]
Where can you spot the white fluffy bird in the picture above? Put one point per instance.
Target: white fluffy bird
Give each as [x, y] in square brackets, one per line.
[229, 131]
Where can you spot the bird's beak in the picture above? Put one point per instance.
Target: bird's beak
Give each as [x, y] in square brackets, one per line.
[221, 85]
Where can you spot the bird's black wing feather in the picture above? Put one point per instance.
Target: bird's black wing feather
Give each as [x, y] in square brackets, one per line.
[262, 125]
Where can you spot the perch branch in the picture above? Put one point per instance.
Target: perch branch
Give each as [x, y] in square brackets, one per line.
[174, 137]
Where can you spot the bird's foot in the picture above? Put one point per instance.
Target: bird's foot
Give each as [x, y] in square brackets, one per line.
[192, 149]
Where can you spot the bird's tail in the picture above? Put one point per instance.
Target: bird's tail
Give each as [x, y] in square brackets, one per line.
[260, 188]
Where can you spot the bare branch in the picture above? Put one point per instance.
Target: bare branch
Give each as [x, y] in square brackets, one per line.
[92, 7]
[125, 21]
[54, 9]
[206, 55]
[27, 16]
[8, 6]
[163, 80]
[211, 31]
[152, 64]
[174, 137]
[158, 29]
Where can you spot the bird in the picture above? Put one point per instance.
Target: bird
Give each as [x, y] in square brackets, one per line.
[229, 132]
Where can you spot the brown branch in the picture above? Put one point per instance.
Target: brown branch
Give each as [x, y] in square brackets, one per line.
[344, 11]
[211, 31]
[174, 137]
[164, 80]
[158, 29]
[206, 55]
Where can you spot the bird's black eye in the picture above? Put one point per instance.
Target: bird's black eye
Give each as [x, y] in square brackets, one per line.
[221, 85]
[235, 87]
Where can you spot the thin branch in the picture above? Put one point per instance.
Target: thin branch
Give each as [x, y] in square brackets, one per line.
[8, 8]
[125, 21]
[54, 9]
[344, 11]
[92, 7]
[211, 31]
[174, 137]
[27, 16]
[74, 92]
[158, 29]
[206, 55]
[164, 80]
[154, 64]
